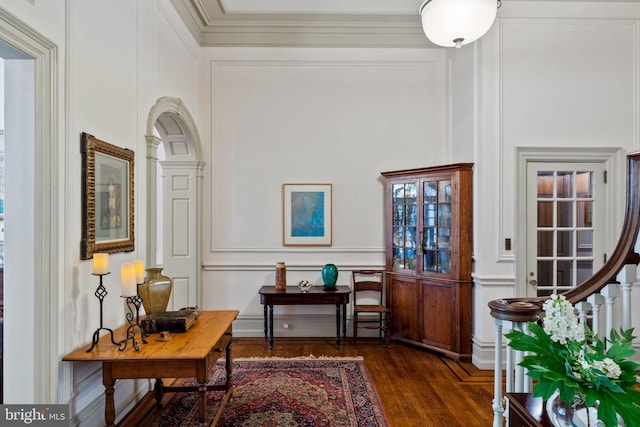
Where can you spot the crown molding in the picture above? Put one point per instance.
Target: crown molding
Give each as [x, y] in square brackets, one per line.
[212, 24]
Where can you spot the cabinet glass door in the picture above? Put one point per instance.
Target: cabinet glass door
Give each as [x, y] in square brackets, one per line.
[404, 225]
[436, 229]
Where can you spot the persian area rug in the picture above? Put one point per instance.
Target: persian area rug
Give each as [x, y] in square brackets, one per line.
[310, 392]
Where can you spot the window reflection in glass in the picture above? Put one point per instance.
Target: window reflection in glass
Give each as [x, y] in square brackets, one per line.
[584, 270]
[564, 185]
[545, 243]
[430, 215]
[444, 215]
[430, 192]
[545, 214]
[565, 214]
[585, 243]
[429, 260]
[545, 184]
[545, 272]
[584, 211]
[430, 238]
[444, 236]
[565, 272]
[584, 184]
[444, 191]
[444, 262]
[565, 243]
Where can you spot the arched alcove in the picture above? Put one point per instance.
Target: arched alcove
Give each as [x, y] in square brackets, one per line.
[178, 193]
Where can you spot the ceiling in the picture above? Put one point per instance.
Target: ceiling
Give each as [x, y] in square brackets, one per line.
[318, 23]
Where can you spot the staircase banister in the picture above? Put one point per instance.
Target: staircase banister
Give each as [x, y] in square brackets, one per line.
[623, 253]
[519, 310]
[528, 309]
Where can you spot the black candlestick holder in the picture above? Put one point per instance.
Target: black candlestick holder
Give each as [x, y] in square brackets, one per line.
[134, 322]
[100, 293]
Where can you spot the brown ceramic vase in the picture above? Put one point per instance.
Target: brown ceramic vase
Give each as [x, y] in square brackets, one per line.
[155, 291]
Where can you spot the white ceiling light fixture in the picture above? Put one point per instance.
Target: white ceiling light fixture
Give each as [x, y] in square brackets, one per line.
[457, 22]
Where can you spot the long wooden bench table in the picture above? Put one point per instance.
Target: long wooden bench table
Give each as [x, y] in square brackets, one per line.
[190, 354]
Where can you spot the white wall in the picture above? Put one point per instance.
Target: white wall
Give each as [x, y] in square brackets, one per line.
[113, 61]
[552, 75]
[338, 116]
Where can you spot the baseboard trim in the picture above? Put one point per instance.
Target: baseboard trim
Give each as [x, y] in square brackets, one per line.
[127, 394]
[295, 326]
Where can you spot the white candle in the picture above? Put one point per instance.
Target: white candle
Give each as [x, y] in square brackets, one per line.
[128, 277]
[100, 263]
[139, 265]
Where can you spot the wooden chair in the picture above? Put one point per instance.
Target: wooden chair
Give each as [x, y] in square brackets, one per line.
[369, 311]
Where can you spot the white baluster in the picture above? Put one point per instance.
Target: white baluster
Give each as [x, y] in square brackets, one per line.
[509, 369]
[498, 408]
[610, 293]
[519, 370]
[627, 278]
[596, 301]
[583, 308]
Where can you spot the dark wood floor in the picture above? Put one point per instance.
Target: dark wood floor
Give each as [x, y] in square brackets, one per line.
[416, 387]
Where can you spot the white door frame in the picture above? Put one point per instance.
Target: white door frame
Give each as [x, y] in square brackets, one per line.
[614, 160]
[192, 156]
[32, 309]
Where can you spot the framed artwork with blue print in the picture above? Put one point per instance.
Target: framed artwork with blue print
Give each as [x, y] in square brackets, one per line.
[306, 219]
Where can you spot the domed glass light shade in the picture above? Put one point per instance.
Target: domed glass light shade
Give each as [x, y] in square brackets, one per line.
[457, 22]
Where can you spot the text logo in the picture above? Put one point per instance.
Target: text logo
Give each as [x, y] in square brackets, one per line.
[34, 415]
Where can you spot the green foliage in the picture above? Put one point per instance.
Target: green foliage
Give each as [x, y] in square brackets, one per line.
[576, 370]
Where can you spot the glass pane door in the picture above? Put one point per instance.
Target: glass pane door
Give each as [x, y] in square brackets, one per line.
[436, 229]
[404, 225]
[566, 215]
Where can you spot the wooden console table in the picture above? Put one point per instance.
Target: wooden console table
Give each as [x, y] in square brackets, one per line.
[527, 411]
[269, 297]
[191, 354]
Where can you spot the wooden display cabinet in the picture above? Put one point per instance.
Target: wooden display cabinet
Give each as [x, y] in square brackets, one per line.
[428, 238]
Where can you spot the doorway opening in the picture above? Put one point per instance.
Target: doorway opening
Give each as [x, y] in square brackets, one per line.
[174, 199]
[570, 215]
[31, 216]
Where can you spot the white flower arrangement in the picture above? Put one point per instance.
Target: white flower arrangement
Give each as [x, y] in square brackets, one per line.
[565, 356]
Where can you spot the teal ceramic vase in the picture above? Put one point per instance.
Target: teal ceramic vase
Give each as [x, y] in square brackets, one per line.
[329, 275]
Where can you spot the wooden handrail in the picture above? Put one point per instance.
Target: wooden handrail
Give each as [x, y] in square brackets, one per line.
[528, 309]
[624, 253]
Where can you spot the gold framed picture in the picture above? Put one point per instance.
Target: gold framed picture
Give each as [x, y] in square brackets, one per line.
[107, 197]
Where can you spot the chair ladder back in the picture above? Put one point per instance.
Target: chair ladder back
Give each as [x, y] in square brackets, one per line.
[367, 286]
[370, 282]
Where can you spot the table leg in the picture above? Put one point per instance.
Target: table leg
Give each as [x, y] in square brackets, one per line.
[337, 325]
[266, 335]
[344, 321]
[228, 365]
[159, 391]
[271, 327]
[109, 406]
[202, 404]
[228, 387]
